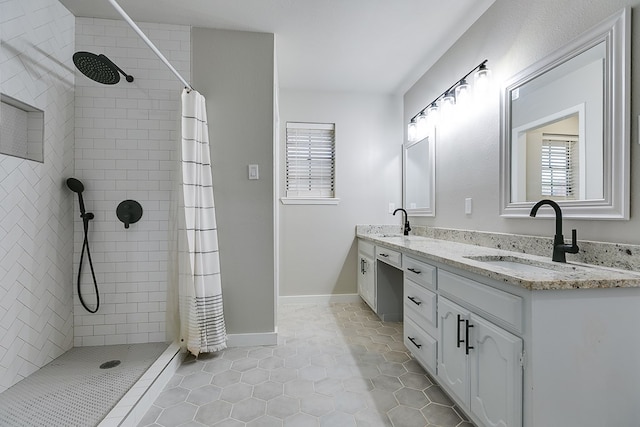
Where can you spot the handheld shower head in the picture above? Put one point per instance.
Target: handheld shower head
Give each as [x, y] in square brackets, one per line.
[99, 68]
[77, 187]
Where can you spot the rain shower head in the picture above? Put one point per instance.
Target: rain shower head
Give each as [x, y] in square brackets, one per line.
[99, 68]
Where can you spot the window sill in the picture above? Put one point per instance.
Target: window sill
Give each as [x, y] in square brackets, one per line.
[309, 201]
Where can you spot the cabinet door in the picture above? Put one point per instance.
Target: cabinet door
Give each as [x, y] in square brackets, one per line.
[496, 375]
[452, 358]
[366, 280]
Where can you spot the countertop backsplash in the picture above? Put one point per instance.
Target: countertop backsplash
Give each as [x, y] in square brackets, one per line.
[615, 255]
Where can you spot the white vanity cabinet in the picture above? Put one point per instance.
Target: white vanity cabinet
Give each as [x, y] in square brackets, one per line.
[518, 350]
[479, 361]
[366, 273]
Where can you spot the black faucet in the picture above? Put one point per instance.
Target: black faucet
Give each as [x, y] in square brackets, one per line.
[559, 247]
[407, 229]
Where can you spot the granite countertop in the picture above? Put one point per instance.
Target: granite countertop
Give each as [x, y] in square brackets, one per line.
[530, 272]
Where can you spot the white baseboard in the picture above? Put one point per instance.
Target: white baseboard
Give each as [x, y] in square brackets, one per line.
[319, 299]
[250, 340]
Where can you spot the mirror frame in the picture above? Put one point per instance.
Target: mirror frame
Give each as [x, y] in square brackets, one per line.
[615, 33]
[431, 165]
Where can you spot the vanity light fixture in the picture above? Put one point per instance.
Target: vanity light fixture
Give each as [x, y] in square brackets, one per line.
[460, 90]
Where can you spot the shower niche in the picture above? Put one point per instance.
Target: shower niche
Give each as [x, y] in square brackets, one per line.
[21, 129]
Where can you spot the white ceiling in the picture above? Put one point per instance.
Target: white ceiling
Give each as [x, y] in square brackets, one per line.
[377, 46]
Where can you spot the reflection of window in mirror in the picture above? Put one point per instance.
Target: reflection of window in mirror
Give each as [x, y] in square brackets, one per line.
[559, 167]
[547, 150]
[556, 102]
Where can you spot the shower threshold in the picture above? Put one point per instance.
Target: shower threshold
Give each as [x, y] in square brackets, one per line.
[73, 390]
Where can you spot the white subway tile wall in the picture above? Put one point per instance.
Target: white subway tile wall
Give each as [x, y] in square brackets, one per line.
[127, 136]
[36, 247]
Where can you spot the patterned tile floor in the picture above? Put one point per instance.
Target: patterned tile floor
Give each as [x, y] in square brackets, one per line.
[335, 365]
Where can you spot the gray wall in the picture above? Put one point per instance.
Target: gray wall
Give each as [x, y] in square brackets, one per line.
[512, 34]
[234, 70]
[317, 242]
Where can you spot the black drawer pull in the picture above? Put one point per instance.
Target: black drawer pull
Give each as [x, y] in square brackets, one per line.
[415, 301]
[467, 346]
[385, 255]
[460, 320]
[413, 341]
[413, 270]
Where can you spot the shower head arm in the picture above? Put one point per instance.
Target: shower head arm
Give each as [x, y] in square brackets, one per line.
[126, 76]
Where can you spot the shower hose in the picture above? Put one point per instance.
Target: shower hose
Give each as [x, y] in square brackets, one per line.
[85, 245]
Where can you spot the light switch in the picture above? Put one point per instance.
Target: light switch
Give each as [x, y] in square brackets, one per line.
[467, 206]
[392, 207]
[253, 172]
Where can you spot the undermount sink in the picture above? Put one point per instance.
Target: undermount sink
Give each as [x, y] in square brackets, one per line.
[521, 264]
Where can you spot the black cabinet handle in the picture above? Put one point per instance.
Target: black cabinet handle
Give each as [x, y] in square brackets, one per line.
[460, 320]
[413, 341]
[385, 255]
[362, 265]
[467, 327]
[413, 270]
[415, 301]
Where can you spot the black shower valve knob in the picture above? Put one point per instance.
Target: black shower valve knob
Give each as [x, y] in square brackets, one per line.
[129, 212]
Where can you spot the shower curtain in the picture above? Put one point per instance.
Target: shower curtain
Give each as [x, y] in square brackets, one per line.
[202, 327]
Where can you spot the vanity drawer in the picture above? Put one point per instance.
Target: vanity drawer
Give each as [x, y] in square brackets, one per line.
[420, 301]
[485, 299]
[389, 256]
[422, 345]
[419, 272]
[366, 248]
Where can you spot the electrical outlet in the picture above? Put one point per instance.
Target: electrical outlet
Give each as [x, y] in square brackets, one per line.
[467, 206]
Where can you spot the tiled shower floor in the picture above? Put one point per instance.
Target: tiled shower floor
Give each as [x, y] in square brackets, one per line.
[336, 365]
[72, 390]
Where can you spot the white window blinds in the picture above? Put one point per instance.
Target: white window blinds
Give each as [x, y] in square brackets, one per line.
[310, 163]
[559, 165]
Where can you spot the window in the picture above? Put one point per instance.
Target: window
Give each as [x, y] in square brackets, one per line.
[310, 163]
[559, 166]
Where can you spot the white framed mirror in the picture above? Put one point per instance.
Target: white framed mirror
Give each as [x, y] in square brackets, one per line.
[419, 176]
[565, 128]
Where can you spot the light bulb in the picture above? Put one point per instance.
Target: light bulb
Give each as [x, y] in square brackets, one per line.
[448, 102]
[482, 79]
[432, 111]
[463, 92]
[422, 126]
[412, 131]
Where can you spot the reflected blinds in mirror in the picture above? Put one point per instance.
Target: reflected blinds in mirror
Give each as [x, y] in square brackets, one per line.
[559, 166]
[310, 160]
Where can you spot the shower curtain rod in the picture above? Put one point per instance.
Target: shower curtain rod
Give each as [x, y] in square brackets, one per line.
[149, 43]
